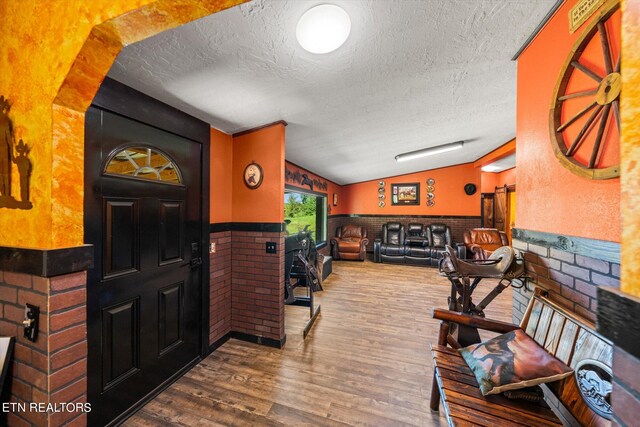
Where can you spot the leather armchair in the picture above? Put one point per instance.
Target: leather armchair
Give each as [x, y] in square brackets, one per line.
[391, 246]
[481, 242]
[350, 242]
[439, 237]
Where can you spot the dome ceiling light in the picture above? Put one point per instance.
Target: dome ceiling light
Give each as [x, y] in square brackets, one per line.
[323, 28]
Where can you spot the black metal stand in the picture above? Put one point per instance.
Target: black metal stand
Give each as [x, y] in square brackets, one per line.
[310, 280]
[313, 310]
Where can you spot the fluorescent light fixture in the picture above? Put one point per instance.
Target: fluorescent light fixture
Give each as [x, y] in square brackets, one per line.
[323, 28]
[429, 151]
[490, 168]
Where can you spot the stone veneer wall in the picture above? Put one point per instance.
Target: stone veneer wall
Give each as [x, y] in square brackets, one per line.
[374, 224]
[257, 291]
[53, 369]
[571, 279]
[220, 287]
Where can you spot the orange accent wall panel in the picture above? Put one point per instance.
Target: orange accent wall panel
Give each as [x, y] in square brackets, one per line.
[450, 198]
[550, 198]
[630, 148]
[220, 178]
[332, 188]
[266, 203]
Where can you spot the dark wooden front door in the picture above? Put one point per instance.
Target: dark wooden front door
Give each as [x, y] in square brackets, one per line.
[144, 294]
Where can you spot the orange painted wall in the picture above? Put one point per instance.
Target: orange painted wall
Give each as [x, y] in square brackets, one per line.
[40, 44]
[266, 203]
[549, 197]
[220, 179]
[450, 198]
[332, 188]
[492, 180]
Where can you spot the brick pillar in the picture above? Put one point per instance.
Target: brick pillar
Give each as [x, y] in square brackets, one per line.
[53, 369]
[257, 308]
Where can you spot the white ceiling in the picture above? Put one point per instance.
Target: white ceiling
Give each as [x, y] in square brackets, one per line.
[411, 75]
[501, 165]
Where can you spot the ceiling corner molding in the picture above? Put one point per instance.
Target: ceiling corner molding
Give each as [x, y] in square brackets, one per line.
[257, 128]
[537, 30]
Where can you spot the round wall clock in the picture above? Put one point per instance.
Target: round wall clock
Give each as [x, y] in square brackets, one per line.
[585, 111]
[253, 175]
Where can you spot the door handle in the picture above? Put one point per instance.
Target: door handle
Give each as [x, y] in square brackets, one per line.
[195, 262]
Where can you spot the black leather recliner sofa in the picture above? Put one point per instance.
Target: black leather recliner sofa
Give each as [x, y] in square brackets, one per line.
[420, 246]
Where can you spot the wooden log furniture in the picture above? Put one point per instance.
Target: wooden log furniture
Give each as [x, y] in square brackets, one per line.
[583, 396]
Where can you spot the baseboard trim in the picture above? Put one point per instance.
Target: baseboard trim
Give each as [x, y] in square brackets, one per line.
[213, 347]
[268, 342]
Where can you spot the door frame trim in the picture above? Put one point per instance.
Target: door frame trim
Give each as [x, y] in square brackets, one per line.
[125, 101]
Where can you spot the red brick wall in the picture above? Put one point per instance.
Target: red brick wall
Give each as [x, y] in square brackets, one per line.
[220, 287]
[374, 224]
[52, 369]
[257, 297]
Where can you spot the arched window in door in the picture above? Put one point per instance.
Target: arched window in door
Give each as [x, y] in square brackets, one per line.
[139, 162]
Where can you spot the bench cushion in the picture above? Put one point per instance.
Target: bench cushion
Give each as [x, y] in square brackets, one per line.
[465, 405]
[512, 361]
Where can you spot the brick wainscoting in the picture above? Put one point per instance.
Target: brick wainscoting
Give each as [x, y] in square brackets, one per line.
[560, 265]
[53, 369]
[220, 287]
[257, 296]
[246, 284]
[374, 223]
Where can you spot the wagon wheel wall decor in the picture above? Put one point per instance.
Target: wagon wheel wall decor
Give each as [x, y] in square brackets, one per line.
[585, 111]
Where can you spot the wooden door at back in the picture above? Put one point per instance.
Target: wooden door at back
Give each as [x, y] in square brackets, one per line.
[487, 210]
[144, 294]
[500, 209]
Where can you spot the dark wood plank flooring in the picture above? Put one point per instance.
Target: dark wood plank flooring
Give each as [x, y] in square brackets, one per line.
[366, 362]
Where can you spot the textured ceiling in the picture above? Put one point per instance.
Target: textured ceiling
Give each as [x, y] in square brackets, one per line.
[411, 75]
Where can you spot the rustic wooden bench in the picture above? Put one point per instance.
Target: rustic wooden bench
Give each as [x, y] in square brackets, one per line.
[580, 399]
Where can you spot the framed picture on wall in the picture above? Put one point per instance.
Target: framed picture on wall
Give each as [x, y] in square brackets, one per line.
[405, 194]
[335, 199]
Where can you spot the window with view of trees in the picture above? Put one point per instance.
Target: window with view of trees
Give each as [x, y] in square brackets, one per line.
[306, 210]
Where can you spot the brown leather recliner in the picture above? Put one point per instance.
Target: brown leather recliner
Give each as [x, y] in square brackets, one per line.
[350, 243]
[481, 242]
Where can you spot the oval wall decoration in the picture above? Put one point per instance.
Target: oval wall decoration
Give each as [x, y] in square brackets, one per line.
[585, 108]
[594, 380]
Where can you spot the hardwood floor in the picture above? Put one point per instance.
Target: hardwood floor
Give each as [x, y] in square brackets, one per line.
[366, 362]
